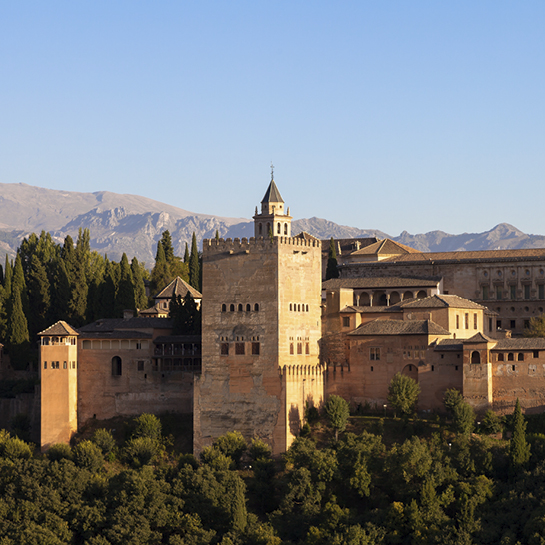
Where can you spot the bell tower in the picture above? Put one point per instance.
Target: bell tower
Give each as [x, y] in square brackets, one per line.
[273, 217]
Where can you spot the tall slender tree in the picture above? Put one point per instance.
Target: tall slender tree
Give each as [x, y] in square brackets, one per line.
[331, 270]
[194, 267]
[186, 254]
[140, 299]
[39, 297]
[125, 292]
[18, 337]
[519, 449]
[160, 275]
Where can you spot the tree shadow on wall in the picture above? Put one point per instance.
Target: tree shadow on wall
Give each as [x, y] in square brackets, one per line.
[294, 419]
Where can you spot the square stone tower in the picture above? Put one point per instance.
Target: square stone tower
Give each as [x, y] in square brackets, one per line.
[261, 326]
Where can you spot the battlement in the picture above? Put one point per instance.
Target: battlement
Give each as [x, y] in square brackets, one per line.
[237, 245]
[302, 370]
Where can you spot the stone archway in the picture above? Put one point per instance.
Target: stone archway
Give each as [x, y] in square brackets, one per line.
[475, 357]
[395, 297]
[411, 370]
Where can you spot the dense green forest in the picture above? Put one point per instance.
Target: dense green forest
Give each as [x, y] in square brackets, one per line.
[382, 481]
[48, 282]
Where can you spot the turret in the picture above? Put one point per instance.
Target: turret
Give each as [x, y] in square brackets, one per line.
[273, 218]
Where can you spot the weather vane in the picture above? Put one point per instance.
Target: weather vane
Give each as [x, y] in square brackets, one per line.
[272, 172]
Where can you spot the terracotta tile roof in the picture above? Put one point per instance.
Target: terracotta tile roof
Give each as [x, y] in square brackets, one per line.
[479, 338]
[344, 246]
[381, 282]
[399, 327]
[480, 256]
[370, 310]
[442, 301]
[305, 236]
[179, 287]
[272, 194]
[59, 329]
[449, 345]
[523, 343]
[386, 247]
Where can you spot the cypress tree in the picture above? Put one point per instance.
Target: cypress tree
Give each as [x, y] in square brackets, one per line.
[1, 275]
[18, 283]
[331, 269]
[160, 275]
[18, 338]
[60, 291]
[68, 255]
[217, 235]
[166, 241]
[186, 254]
[79, 290]
[39, 298]
[194, 268]
[7, 276]
[519, 449]
[125, 293]
[140, 299]
[109, 291]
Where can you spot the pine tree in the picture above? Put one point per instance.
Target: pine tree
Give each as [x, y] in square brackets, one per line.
[331, 270]
[125, 293]
[194, 268]
[140, 299]
[519, 449]
[18, 338]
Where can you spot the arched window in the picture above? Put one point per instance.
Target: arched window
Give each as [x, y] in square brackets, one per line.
[278, 228]
[116, 366]
[307, 308]
[285, 228]
[240, 307]
[500, 357]
[475, 357]
[510, 357]
[299, 308]
[232, 308]
[224, 307]
[291, 306]
[520, 357]
[260, 229]
[256, 307]
[248, 307]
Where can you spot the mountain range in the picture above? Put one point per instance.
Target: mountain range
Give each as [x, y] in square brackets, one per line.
[128, 223]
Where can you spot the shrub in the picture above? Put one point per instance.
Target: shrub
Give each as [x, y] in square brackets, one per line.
[59, 451]
[14, 448]
[140, 451]
[147, 425]
[88, 456]
[232, 444]
[259, 449]
[492, 423]
[104, 440]
[214, 458]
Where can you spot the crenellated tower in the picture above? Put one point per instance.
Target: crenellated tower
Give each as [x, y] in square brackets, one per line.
[260, 332]
[273, 217]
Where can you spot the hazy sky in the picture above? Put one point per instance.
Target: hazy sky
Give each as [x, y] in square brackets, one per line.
[390, 115]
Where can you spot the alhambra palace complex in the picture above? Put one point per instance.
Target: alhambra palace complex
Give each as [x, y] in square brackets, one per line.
[276, 337]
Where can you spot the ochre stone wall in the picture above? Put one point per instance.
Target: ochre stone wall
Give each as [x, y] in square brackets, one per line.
[103, 395]
[58, 393]
[238, 389]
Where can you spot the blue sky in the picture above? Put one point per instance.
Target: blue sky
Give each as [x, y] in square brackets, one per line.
[390, 115]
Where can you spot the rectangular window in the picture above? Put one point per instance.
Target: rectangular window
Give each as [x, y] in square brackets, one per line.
[224, 349]
[433, 367]
[474, 321]
[140, 365]
[307, 349]
[536, 353]
[291, 349]
[346, 321]
[485, 292]
[239, 349]
[64, 365]
[255, 349]
[299, 348]
[498, 293]
[466, 320]
[526, 291]
[45, 365]
[498, 324]
[541, 291]
[489, 324]
[457, 321]
[512, 324]
[374, 354]
[138, 345]
[513, 292]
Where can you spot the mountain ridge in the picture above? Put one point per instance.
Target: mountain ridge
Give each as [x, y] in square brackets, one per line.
[132, 224]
